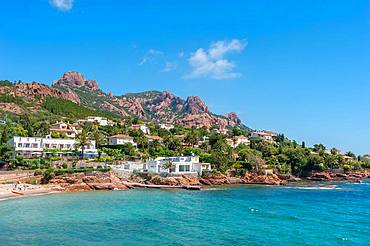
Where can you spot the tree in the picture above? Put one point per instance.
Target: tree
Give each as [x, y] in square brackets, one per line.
[97, 135]
[83, 139]
[169, 165]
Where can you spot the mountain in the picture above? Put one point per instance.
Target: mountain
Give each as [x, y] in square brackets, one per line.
[157, 106]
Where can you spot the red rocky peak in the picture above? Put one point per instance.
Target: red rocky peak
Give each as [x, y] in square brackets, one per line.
[195, 105]
[76, 79]
[233, 118]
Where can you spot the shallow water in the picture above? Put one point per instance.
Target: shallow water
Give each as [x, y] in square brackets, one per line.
[241, 215]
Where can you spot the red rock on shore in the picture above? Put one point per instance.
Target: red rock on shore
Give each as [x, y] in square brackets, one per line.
[87, 182]
[340, 176]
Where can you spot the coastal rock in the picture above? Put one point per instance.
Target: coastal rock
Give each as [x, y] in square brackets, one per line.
[219, 179]
[339, 176]
[86, 182]
[253, 178]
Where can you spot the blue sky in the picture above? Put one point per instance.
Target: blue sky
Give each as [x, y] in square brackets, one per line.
[297, 67]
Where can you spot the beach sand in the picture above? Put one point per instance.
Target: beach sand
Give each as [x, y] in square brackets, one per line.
[27, 190]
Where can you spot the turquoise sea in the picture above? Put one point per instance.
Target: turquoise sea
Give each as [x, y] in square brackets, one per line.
[241, 215]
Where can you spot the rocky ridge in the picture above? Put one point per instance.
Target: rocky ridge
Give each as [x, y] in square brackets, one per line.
[150, 105]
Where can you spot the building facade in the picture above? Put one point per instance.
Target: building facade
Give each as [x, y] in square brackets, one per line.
[64, 128]
[121, 139]
[102, 121]
[37, 147]
[265, 135]
[179, 165]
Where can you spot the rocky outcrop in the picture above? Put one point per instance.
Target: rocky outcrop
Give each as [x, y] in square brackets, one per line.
[87, 182]
[151, 105]
[194, 105]
[92, 84]
[233, 119]
[76, 79]
[11, 107]
[273, 179]
[210, 179]
[339, 176]
[28, 91]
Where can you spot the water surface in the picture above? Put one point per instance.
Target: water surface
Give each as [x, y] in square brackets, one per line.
[241, 215]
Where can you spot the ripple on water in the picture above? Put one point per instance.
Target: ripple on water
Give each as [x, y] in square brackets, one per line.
[230, 216]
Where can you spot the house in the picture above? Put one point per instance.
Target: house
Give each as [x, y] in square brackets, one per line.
[179, 165]
[222, 131]
[128, 166]
[152, 138]
[37, 147]
[64, 128]
[237, 140]
[265, 135]
[102, 121]
[141, 127]
[166, 126]
[121, 139]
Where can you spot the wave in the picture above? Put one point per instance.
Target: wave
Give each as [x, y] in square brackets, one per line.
[327, 187]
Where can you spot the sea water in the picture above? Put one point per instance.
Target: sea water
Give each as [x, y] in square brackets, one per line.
[337, 214]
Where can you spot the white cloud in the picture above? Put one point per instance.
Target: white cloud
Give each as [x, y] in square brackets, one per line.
[150, 56]
[212, 64]
[169, 66]
[62, 5]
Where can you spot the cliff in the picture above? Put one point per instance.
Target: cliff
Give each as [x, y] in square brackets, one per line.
[156, 106]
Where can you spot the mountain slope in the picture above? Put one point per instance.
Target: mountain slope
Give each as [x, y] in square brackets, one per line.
[149, 105]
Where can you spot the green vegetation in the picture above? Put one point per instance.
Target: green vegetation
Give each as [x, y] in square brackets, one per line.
[50, 173]
[70, 109]
[5, 83]
[12, 99]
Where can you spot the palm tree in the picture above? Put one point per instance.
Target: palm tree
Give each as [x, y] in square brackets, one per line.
[83, 139]
[168, 165]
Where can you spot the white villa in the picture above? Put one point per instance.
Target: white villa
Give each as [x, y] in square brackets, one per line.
[142, 128]
[66, 128]
[180, 165]
[121, 139]
[166, 126]
[237, 140]
[36, 147]
[265, 135]
[128, 166]
[102, 121]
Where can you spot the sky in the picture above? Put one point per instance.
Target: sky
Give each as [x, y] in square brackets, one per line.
[301, 68]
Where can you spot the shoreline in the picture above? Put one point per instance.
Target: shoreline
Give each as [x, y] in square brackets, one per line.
[41, 191]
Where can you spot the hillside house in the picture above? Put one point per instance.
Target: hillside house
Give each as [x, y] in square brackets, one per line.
[37, 147]
[64, 128]
[121, 139]
[179, 165]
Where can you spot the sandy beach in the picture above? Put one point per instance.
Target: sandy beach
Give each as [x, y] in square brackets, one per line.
[28, 190]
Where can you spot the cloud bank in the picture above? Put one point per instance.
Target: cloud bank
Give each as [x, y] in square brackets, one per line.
[212, 63]
[150, 56]
[62, 5]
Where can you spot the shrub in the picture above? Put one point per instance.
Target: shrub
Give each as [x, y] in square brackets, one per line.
[38, 171]
[48, 175]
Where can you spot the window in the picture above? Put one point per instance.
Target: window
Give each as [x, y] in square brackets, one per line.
[47, 146]
[35, 145]
[61, 146]
[19, 145]
[26, 145]
[184, 168]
